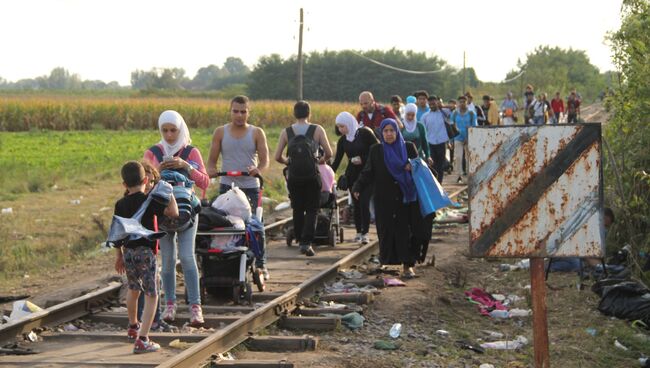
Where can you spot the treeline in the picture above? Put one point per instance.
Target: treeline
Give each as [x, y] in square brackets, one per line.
[341, 75]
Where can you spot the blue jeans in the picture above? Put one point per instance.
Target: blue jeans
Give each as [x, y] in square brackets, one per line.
[253, 195]
[186, 242]
[538, 120]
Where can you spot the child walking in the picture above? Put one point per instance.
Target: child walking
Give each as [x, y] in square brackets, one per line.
[136, 257]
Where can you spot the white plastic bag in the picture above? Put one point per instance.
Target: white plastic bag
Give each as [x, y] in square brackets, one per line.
[235, 203]
[21, 309]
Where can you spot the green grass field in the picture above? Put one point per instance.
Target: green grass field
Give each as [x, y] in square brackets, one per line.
[37, 161]
[44, 172]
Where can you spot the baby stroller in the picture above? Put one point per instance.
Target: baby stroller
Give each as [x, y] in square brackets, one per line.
[232, 269]
[328, 225]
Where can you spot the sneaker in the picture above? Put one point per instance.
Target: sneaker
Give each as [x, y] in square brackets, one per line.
[169, 314]
[132, 331]
[145, 346]
[365, 239]
[309, 252]
[459, 180]
[162, 326]
[357, 239]
[265, 273]
[196, 320]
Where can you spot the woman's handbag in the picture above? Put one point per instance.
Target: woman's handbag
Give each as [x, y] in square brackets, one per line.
[452, 131]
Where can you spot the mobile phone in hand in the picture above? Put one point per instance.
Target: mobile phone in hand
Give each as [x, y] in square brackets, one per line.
[168, 158]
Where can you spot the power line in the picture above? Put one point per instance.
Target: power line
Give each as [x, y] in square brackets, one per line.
[515, 77]
[396, 68]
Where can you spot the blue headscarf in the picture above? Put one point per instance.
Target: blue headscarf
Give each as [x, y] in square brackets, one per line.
[396, 158]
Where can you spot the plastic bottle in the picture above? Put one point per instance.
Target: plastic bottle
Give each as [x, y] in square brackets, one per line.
[498, 313]
[396, 330]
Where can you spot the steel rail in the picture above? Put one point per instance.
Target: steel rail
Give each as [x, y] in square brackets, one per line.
[221, 341]
[60, 313]
[239, 331]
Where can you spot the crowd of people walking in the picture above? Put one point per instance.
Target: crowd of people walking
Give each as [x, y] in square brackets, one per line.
[378, 143]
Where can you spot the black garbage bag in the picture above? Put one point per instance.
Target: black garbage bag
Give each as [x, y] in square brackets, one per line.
[209, 218]
[629, 300]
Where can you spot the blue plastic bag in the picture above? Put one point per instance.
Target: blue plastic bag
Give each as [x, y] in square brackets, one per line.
[431, 196]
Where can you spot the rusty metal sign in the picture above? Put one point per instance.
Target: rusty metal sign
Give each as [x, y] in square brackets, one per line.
[535, 191]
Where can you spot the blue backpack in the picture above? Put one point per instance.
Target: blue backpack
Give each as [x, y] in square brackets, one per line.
[187, 201]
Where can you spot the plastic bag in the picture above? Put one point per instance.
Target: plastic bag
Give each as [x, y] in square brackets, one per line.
[431, 196]
[21, 309]
[235, 203]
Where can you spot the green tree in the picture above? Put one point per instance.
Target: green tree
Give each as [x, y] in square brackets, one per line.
[342, 75]
[551, 69]
[627, 135]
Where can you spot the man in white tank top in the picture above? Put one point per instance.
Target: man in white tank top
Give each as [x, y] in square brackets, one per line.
[242, 147]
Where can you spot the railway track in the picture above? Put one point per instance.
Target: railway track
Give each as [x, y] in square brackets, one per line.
[102, 342]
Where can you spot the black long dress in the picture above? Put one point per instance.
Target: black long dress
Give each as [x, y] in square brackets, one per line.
[396, 222]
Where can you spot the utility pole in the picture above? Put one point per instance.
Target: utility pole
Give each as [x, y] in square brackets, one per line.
[300, 57]
[464, 72]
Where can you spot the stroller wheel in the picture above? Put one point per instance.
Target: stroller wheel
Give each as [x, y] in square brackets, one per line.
[333, 236]
[290, 237]
[258, 279]
[249, 293]
[341, 235]
[236, 293]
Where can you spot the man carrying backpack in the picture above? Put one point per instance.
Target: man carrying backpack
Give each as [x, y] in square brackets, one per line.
[303, 140]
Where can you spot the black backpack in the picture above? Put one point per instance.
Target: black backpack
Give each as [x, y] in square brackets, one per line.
[301, 152]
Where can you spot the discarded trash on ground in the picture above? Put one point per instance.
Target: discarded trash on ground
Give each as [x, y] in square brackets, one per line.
[391, 281]
[282, 206]
[470, 346]
[352, 274]
[395, 330]
[386, 345]
[353, 320]
[70, 327]
[620, 346]
[518, 343]
[7, 211]
[23, 308]
[178, 344]
[32, 336]
[524, 264]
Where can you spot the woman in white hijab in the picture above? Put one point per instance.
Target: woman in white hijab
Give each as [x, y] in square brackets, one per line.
[174, 152]
[355, 142]
[414, 131]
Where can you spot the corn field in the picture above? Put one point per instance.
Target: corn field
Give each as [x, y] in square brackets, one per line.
[25, 113]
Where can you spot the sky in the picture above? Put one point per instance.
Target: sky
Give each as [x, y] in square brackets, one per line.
[107, 40]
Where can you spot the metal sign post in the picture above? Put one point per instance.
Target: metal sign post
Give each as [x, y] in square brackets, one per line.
[536, 192]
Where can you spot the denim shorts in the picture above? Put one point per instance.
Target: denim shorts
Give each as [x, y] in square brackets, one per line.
[141, 270]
